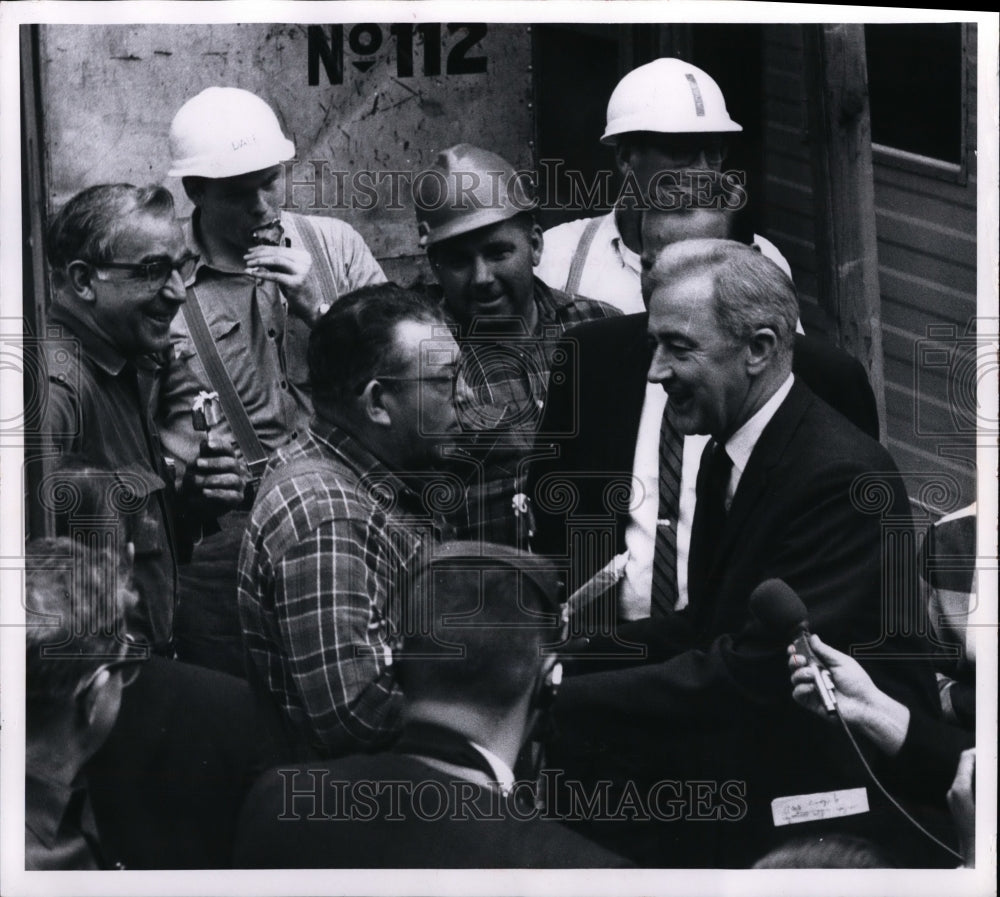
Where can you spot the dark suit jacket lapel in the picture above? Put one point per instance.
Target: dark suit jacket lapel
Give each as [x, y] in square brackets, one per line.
[629, 396]
[635, 366]
[767, 455]
[616, 356]
[612, 387]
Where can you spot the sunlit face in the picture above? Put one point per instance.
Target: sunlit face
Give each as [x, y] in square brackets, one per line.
[232, 208]
[133, 317]
[703, 370]
[489, 271]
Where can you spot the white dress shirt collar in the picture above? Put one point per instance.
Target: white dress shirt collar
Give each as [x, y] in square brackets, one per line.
[741, 444]
[502, 773]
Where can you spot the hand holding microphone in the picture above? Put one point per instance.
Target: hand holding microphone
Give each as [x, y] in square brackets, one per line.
[825, 680]
[832, 684]
[782, 612]
[809, 667]
[863, 705]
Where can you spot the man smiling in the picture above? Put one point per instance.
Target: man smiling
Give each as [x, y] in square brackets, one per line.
[119, 263]
[776, 499]
[475, 216]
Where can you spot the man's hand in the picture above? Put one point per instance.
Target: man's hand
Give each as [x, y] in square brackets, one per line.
[216, 480]
[862, 704]
[289, 268]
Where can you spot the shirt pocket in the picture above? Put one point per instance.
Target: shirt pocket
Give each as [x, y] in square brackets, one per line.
[183, 346]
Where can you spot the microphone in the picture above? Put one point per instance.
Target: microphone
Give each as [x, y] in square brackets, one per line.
[781, 611]
[776, 605]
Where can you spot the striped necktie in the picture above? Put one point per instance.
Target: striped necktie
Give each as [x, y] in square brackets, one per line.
[664, 592]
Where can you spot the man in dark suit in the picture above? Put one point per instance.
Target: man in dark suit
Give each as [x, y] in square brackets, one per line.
[601, 412]
[794, 492]
[591, 422]
[478, 684]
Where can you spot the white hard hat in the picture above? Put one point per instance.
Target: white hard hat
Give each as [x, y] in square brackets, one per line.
[225, 131]
[669, 96]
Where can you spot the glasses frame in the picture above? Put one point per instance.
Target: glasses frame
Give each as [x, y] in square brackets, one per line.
[145, 270]
[684, 149]
[433, 378]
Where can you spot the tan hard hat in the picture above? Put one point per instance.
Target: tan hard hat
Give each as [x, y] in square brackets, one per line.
[465, 189]
[668, 96]
[223, 132]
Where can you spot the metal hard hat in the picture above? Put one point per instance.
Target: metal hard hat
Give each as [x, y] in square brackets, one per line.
[223, 132]
[668, 96]
[467, 188]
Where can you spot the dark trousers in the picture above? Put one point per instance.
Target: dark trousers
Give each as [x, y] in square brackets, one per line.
[206, 622]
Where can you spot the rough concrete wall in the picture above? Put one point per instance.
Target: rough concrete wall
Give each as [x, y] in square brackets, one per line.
[110, 92]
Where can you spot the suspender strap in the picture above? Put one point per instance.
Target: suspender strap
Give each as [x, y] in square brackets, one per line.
[218, 376]
[320, 271]
[580, 256]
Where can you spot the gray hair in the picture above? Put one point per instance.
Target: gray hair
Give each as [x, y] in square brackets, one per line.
[90, 225]
[75, 598]
[750, 292]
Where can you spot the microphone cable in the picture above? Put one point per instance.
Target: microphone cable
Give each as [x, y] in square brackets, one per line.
[890, 798]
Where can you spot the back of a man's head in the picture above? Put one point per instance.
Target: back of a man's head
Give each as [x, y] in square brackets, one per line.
[87, 497]
[827, 851]
[75, 602]
[89, 226]
[357, 338]
[477, 620]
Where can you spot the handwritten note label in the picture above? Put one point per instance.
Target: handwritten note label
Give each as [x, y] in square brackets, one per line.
[798, 808]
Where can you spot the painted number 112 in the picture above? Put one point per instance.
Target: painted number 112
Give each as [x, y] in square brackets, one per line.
[365, 40]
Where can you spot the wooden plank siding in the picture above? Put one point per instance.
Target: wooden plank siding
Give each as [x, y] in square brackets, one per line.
[926, 230]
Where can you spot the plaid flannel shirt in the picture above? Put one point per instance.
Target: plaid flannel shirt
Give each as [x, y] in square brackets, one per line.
[508, 375]
[322, 571]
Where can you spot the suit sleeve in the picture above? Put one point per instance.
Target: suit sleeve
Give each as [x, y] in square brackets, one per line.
[925, 765]
[838, 379]
[829, 552]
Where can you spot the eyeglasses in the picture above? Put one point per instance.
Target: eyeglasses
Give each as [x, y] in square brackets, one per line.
[129, 663]
[435, 378]
[451, 378]
[713, 156]
[155, 274]
[684, 151]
